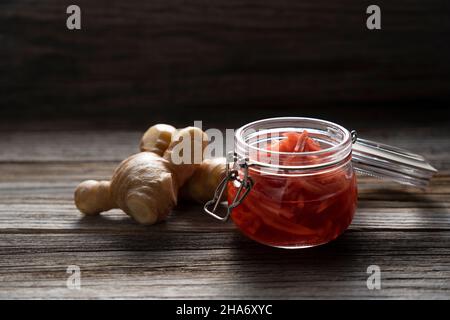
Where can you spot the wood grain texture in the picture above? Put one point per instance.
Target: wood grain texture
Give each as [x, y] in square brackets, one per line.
[404, 231]
[174, 59]
[225, 265]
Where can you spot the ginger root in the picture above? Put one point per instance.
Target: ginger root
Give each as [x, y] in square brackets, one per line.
[203, 183]
[93, 197]
[145, 186]
[157, 138]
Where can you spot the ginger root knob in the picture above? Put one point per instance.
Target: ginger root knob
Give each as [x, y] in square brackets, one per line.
[157, 138]
[93, 197]
[185, 152]
[202, 185]
[144, 187]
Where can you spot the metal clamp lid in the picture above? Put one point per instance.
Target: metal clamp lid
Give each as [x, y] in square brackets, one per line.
[232, 174]
[391, 163]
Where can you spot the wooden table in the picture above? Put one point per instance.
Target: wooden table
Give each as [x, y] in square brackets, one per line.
[405, 232]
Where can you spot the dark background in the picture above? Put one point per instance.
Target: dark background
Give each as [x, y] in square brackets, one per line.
[226, 62]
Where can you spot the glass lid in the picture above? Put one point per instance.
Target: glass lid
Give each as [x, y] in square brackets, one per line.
[391, 163]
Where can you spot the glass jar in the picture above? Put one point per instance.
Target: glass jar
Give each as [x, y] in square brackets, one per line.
[304, 199]
[297, 199]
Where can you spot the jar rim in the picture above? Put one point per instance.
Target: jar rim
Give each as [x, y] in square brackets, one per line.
[333, 154]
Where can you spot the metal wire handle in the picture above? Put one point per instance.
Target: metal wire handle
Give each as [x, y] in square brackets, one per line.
[231, 174]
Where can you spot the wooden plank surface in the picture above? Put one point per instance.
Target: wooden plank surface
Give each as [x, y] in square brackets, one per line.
[404, 231]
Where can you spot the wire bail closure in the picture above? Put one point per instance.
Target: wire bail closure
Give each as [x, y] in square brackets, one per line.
[354, 135]
[232, 174]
